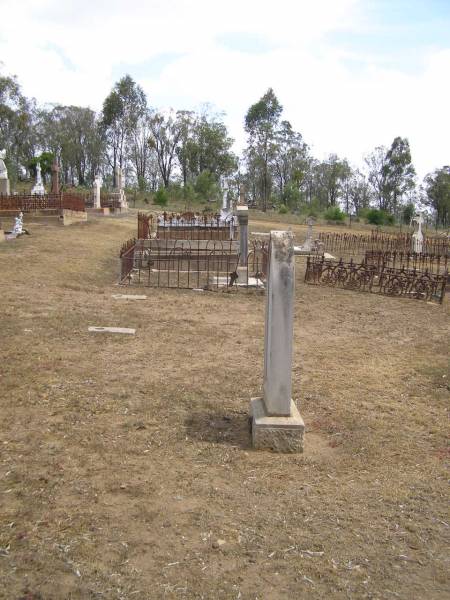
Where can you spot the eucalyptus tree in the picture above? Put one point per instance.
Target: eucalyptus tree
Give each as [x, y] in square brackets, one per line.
[141, 156]
[437, 187]
[17, 125]
[261, 124]
[331, 176]
[122, 110]
[73, 135]
[391, 173]
[165, 134]
[289, 163]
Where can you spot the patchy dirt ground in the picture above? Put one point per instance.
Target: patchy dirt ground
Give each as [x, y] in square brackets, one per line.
[126, 469]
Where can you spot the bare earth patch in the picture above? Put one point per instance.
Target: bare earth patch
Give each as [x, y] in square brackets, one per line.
[126, 469]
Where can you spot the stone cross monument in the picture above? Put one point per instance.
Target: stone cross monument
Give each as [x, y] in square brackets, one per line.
[97, 185]
[242, 217]
[276, 422]
[55, 178]
[38, 188]
[417, 237]
[4, 181]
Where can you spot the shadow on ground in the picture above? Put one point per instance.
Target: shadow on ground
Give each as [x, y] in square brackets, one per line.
[227, 428]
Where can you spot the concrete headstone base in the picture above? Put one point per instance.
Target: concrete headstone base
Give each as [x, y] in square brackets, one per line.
[281, 434]
[69, 217]
[98, 211]
[242, 273]
[4, 187]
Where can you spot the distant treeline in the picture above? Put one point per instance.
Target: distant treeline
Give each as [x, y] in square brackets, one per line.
[192, 151]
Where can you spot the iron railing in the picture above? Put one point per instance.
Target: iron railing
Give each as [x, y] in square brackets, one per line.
[410, 283]
[190, 264]
[31, 202]
[348, 243]
[433, 263]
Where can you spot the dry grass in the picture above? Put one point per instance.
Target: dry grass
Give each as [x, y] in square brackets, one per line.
[125, 459]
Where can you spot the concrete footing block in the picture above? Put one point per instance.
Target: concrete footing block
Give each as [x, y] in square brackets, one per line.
[242, 273]
[280, 434]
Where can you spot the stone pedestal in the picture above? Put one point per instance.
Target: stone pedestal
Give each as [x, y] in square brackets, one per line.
[276, 422]
[242, 273]
[97, 186]
[242, 215]
[38, 188]
[4, 187]
[55, 178]
[281, 434]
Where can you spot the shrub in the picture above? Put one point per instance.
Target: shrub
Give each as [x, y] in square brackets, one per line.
[161, 197]
[205, 186]
[334, 213]
[283, 209]
[379, 217]
[408, 213]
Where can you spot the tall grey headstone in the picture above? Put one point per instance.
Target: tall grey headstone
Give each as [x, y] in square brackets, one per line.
[242, 216]
[38, 188]
[4, 181]
[417, 237]
[97, 185]
[276, 422]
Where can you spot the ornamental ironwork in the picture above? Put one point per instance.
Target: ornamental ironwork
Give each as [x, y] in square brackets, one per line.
[408, 283]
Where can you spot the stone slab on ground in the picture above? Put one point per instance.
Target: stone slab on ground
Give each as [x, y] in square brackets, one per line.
[128, 297]
[98, 211]
[125, 330]
[281, 434]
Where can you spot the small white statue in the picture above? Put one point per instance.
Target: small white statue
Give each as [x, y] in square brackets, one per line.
[3, 169]
[98, 181]
[18, 225]
[417, 237]
[38, 188]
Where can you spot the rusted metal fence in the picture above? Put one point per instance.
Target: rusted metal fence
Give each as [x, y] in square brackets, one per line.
[28, 202]
[191, 226]
[107, 200]
[409, 283]
[190, 264]
[144, 225]
[186, 226]
[433, 263]
[347, 243]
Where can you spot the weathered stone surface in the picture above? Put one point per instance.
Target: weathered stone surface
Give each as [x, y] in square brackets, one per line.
[242, 215]
[279, 324]
[4, 187]
[280, 434]
[125, 330]
[129, 296]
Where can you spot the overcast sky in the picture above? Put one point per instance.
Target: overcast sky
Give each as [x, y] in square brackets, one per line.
[351, 74]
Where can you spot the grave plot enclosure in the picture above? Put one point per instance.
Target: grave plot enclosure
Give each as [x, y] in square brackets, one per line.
[187, 226]
[348, 244]
[433, 263]
[179, 263]
[381, 279]
[188, 264]
[32, 203]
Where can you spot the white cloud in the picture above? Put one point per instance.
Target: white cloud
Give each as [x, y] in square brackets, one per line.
[68, 51]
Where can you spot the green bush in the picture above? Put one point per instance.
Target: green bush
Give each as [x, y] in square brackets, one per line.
[161, 198]
[379, 217]
[205, 186]
[408, 212]
[283, 209]
[334, 213]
